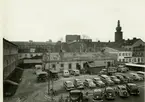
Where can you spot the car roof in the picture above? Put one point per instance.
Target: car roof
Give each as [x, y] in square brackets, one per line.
[121, 86]
[131, 84]
[78, 79]
[68, 81]
[88, 79]
[104, 75]
[97, 90]
[109, 88]
[96, 78]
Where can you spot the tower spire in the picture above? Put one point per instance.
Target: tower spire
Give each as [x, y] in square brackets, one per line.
[118, 23]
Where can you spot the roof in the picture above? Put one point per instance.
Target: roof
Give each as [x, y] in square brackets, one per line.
[121, 86]
[9, 42]
[130, 42]
[97, 90]
[131, 84]
[135, 65]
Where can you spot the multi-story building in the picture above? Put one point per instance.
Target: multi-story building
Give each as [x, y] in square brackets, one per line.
[31, 48]
[10, 57]
[139, 54]
[122, 55]
[70, 38]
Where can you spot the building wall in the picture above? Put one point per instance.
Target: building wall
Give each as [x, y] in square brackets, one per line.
[57, 64]
[10, 57]
[125, 56]
[70, 38]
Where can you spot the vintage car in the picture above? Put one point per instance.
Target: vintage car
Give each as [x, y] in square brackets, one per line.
[98, 94]
[99, 82]
[106, 79]
[127, 78]
[89, 83]
[75, 96]
[122, 91]
[122, 69]
[115, 79]
[78, 83]
[132, 89]
[122, 80]
[109, 93]
[68, 85]
[75, 72]
[42, 76]
[136, 77]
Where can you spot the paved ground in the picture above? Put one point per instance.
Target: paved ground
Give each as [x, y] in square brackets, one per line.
[31, 91]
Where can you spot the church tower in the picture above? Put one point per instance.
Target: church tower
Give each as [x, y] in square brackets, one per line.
[118, 33]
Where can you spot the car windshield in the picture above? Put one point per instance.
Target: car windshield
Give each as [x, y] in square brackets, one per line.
[123, 88]
[109, 90]
[113, 77]
[133, 86]
[75, 94]
[97, 79]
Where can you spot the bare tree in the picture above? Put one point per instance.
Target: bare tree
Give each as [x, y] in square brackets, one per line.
[85, 36]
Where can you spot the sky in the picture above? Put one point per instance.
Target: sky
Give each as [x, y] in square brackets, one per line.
[41, 20]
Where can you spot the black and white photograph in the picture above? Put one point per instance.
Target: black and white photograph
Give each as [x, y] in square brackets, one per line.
[73, 50]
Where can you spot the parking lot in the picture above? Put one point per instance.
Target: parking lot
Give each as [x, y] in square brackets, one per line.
[31, 91]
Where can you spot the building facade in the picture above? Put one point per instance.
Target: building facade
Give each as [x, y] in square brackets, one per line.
[72, 60]
[31, 49]
[70, 38]
[122, 55]
[10, 57]
[139, 54]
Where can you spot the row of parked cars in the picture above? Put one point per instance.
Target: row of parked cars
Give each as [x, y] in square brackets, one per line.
[104, 80]
[121, 90]
[107, 93]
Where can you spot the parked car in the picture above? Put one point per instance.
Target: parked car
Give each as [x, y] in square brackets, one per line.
[75, 96]
[68, 85]
[141, 74]
[122, 69]
[109, 93]
[75, 72]
[106, 79]
[132, 89]
[98, 82]
[127, 78]
[42, 76]
[122, 91]
[122, 80]
[98, 94]
[89, 83]
[66, 73]
[78, 84]
[136, 77]
[115, 79]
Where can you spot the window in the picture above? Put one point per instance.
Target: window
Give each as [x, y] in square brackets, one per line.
[119, 60]
[53, 66]
[123, 60]
[119, 54]
[61, 65]
[69, 66]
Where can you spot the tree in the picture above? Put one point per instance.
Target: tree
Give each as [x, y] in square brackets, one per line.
[85, 37]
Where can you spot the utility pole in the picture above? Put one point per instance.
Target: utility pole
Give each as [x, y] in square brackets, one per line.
[49, 77]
